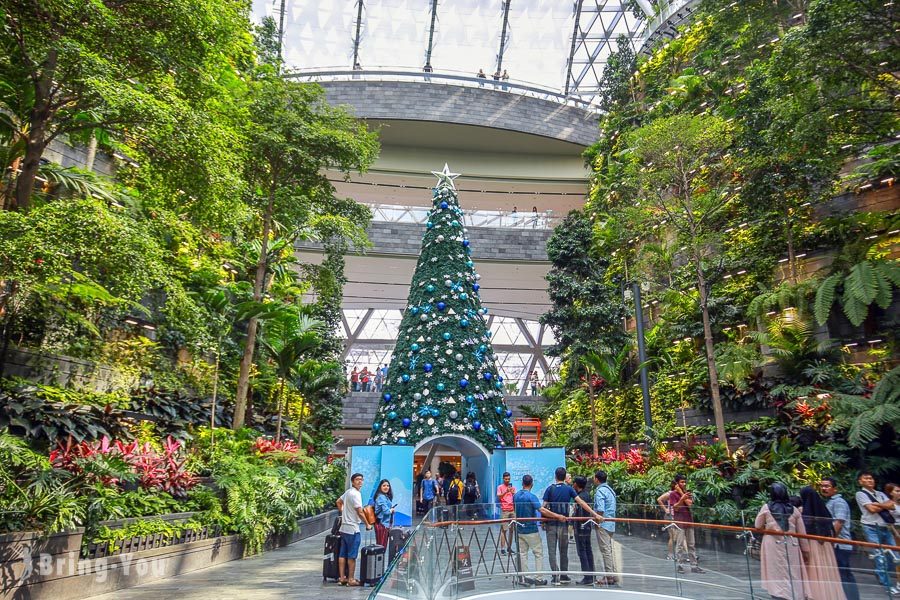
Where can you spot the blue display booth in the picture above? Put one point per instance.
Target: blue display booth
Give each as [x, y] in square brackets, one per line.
[396, 463]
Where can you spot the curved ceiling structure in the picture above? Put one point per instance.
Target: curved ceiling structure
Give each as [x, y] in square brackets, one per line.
[557, 45]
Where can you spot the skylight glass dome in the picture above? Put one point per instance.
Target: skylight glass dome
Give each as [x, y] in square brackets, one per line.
[542, 47]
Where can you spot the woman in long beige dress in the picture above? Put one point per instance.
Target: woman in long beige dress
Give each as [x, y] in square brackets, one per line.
[781, 563]
[823, 579]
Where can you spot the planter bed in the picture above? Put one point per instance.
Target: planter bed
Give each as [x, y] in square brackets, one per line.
[89, 577]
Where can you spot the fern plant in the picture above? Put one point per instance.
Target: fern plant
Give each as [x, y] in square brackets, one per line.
[868, 282]
[866, 416]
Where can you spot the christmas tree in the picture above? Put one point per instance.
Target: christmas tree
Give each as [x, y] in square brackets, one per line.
[443, 377]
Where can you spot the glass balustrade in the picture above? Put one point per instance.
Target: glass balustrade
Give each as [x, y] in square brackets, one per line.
[476, 218]
[463, 551]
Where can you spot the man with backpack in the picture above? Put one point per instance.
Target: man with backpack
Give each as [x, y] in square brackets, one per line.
[876, 520]
[455, 490]
[557, 498]
[471, 494]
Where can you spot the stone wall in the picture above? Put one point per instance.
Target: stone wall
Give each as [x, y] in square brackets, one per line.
[485, 107]
[488, 243]
[67, 155]
[360, 408]
[65, 371]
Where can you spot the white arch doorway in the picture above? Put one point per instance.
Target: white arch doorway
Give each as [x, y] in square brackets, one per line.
[474, 458]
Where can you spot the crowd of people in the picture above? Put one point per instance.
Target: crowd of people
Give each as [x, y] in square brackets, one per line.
[812, 565]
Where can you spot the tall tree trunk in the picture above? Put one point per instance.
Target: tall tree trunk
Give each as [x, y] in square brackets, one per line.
[91, 153]
[38, 119]
[593, 419]
[243, 384]
[711, 356]
[212, 412]
[280, 411]
[792, 258]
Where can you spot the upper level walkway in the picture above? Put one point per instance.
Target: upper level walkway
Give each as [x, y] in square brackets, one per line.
[387, 94]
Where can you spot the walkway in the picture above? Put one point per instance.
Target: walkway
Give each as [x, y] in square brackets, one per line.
[296, 572]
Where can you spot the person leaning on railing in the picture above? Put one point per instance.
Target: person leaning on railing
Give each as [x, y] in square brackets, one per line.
[876, 519]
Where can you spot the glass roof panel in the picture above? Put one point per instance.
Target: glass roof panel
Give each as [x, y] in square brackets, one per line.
[319, 35]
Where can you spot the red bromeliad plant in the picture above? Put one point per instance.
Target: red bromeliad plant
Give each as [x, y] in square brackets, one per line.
[285, 450]
[154, 471]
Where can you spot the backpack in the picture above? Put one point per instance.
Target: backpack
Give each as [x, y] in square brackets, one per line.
[453, 494]
[470, 494]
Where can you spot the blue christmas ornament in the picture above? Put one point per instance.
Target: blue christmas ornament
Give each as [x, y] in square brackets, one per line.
[376, 426]
[429, 224]
[472, 412]
[499, 410]
[470, 264]
[491, 431]
[476, 425]
[482, 348]
[414, 310]
[470, 398]
[463, 383]
[405, 377]
[447, 336]
[487, 376]
[466, 243]
[414, 347]
[435, 412]
[427, 367]
[430, 288]
[454, 223]
[498, 385]
[499, 377]
[464, 296]
[387, 397]
[424, 411]
[476, 287]
[392, 415]
[406, 422]
[464, 323]
[441, 306]
[401, 441]
[439, 387]
[444, 205]
[508, 413]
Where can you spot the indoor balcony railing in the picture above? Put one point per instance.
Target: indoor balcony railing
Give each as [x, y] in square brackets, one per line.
[456, 552]
[391, 213]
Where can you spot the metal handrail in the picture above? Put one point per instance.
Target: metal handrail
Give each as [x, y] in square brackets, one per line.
[444, 77]
[690, 524]
[394, 213]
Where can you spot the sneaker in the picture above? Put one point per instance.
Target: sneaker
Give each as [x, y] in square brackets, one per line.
[681, 569]
[502, 551]
[669, 557]
[540, 582]
[554, 580]
[697, 570]
[611, 581]
[565, 579]
[895, 591]
[585, 581]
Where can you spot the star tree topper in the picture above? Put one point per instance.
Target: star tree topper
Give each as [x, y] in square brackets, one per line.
[445, 177]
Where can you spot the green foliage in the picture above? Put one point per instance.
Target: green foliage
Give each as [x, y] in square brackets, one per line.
[867, 282]
[869, 416]
[587, 311]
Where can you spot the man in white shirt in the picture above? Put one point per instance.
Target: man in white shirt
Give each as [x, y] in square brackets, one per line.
[351, 507]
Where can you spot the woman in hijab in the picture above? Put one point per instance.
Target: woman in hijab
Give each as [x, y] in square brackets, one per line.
[823, 580]
[781, 563]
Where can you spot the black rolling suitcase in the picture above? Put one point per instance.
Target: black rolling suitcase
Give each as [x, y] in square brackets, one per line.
[396, 540]
[371, 567]
[330, 560]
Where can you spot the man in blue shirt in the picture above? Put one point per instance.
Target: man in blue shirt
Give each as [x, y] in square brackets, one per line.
[605, 505]
[529, 507]
[428, 491]
[557, 499]
[840, 512]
